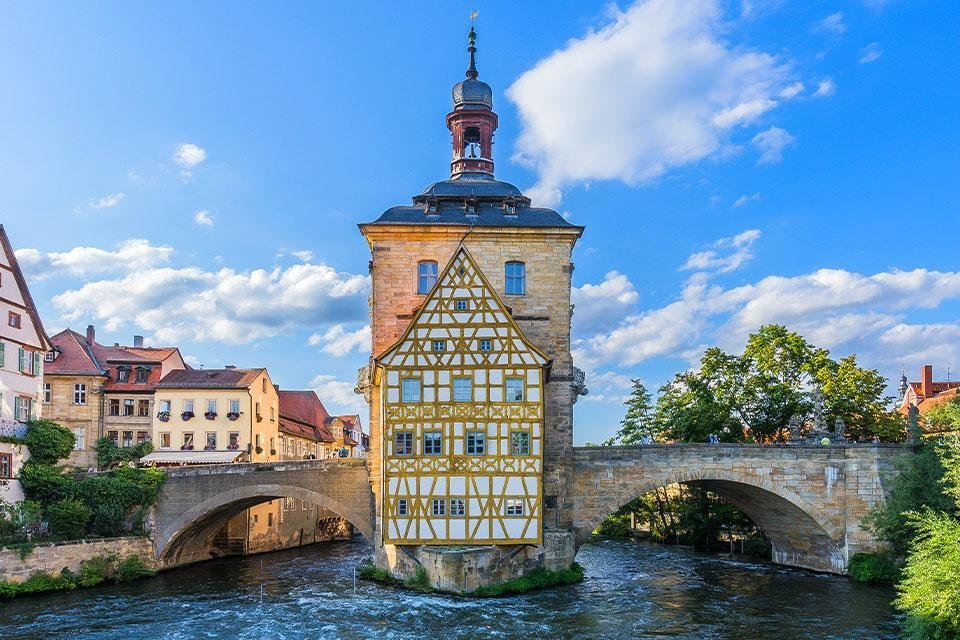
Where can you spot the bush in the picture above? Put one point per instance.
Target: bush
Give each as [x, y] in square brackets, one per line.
[68, 518]
[48, 442]
[108, 452]
[876, 568]
[45, 483]
[420, 580]
[96, 570]
[537, 579]
[133, 568]
[40, 581]
[930, 589]
[93, 571]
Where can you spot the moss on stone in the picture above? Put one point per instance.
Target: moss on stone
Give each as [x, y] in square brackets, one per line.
[537, 579]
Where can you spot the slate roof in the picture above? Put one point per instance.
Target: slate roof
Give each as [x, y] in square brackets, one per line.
[210, 378]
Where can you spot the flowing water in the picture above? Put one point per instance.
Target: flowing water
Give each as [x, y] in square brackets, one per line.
[631, 591]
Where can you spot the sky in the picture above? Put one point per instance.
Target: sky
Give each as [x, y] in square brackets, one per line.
[194, 172]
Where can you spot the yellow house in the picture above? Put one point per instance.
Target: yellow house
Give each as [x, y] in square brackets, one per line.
[208, 416]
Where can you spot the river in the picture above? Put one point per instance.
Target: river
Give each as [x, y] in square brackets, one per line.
[631, 591]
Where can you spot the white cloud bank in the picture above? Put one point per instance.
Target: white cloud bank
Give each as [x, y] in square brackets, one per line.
[130, 255]
[189, 155]
[658, 87]
[337, 396]
[338, 342]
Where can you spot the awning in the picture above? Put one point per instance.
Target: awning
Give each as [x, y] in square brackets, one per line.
[191, 457]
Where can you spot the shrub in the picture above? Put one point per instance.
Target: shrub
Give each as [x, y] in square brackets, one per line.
[537, 579]
[878, 568]
[40, 581]
[132, 568]
[45, 483]
[48, 441]
[96, 570]
[68, 518]
[108, 452]
[419, 580]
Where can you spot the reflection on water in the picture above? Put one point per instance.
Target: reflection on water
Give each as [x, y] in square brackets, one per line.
[632, 591]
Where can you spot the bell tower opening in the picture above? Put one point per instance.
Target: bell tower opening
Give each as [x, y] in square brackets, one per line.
[471, 143]
[472, 122]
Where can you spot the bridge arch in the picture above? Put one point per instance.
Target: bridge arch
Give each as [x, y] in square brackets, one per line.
[801, 512]
[196, 503]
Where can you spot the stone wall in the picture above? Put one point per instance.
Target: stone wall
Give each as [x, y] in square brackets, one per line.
[53, 558]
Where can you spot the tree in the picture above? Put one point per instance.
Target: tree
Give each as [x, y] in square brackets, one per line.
[638, 421]
[689, 411]
[856, 396]
[68, 518]
[48, 441]
[108, 452]
[943, 417]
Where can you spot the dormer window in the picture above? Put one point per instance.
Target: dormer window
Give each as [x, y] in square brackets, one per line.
[471, 143]
[123, 374]
[426, 275]
[142, 373]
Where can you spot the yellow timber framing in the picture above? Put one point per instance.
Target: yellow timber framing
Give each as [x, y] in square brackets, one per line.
[489, 480]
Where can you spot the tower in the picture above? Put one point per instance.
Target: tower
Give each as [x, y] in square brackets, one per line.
[471, 382]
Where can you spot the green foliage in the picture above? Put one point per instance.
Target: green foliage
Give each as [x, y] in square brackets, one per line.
[855, 395]
[537, 579]
[41, 581]
[16, 519]
[48, 441]
[943, 417]
[46, 483]
[93, 571]
[68, 518]
[917, 485]
[638, 421]
[369, 571]
[419, 580]
[688, 410]
[108, 453]
[133, 568]
[930, 589]
[876, 568]
[96, 570]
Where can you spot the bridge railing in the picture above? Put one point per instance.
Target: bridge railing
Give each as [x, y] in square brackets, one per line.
[254, 467]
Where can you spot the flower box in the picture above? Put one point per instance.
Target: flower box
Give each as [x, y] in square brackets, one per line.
[186, 447]
[164, 416]
[210, 415]
[186, 415]
[233, 415]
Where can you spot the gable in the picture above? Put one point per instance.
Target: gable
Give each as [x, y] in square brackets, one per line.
[13, 288]
[463, 312]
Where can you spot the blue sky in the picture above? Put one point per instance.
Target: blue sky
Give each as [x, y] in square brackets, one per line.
[195, 172]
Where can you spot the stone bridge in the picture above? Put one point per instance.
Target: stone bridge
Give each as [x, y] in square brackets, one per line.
[808, 500]
[196, 502]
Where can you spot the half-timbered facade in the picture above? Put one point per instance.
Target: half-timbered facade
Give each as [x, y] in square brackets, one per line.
[462, 395]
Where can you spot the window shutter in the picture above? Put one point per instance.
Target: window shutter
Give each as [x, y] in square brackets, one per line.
[22, 353]
[2, 353]
[37, 364]
[16, 407]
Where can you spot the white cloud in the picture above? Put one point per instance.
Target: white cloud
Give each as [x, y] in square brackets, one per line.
[608, 387]
[338, 396]
[870, 53]
[744, 199]
[726, 254]
[339, 342]
[827, 87]
[189, 155]
[226, 306]
[833, 23]
[792, 91]
[771, 143]
[106, 202]
[598, 305]
[130, 255]
[203, 217]
[658, 87]
[303, 256]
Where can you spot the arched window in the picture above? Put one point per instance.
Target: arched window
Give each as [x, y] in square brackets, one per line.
[515, 278]
[426, 275]
[471, 143]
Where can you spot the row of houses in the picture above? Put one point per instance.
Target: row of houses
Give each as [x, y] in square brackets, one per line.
[135, 394]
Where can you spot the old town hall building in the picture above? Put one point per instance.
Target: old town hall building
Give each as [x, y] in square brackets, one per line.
[472, 384]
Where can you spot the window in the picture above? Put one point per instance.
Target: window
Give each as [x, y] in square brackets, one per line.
[128, 404]
[438, 507]
[233, 440]
[143, 408]
[234, 406]
[410, 390]
[6, 465]
[47, 393]
[403, 443]
[514, 389]
[432, 443]
[13, 319]
[80, 439]
[211, 406]
[211, 440]
[426, 275]
[485, 345]
[127, 439]
[143, 436]
[187, 441]
[439, 345]
[115, 436]
[270, 519]
[48, 356]
[462, 305]
[165, 406]
[188, 405]
[123, 374]
[79, 394]
[164, 440]
[516, 278]
[114, 406]
[263, 385]
[403, 507]
[456, 507]
[259, 441]
[258, 412]
[271, 413]
[514, 507]
[22, 408]
[475, 443]
[26, 361]
[142, 374]
[519, 443]
[462, 389]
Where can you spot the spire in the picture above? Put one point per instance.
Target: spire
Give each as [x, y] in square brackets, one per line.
[472, 71]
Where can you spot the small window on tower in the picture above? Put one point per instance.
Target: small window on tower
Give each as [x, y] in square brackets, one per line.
[471, 142]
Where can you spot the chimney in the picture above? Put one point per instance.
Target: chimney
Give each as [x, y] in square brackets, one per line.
[926, 381]
[138, 341]
[91, 334]
[230, 367]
